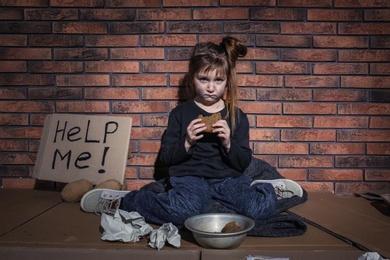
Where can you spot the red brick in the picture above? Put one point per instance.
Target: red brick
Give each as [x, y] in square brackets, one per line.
[133, 3]
[136, 184]
[160, 93]
[80, 27]
[221, 14]
[13, 40]
[284, 94]
[51, 14]
[143, 160]
[112, 93]
[180, 3]
[364, 55]
[244, 67]
[147, 133]
[168, 40]
[338, 148]
[83, 80]
[259, 81]
[11, 14]
[14, 145]
[377, 15]
[293, 174]
[111, 41]
[107, 14]
[13, 66]
[340, 95]
[366, 28]
[17, 158]
[164, 66]
[363, 135]
[25, 27]
[55, 93]
[137, 53]
[112, 66]
[340, 68]
[335, 175]
[250, 27]
[364, 82]
[176, 80]
[334, 15]
[263, 135]
[150, 146]
[256, 3]
[357, 187]
[281, 148]
[163, 14]
[26, 79]
[308, 135]
[377, 175]
[26, 106]
[362, 161]
[283, 41]
[138, 80]
[137, 27]
[139, 107]
[306, 161]
[20, 132]
[340, 122]
[13, 119]
[80, 3]
[155, 120]
[262, 54]
[380, 122]
[362, 3]
[246, 94]
[283, 121]
[380, 69]
[55, 67]
[380, 42]
[83, 107]
[307, 55]
[81, 54]
[25, 54]
[18, 183]
[248, 40]
[307, 28]
[312, 81]
[305, 3]
[25, 3]
[309, 108]
[277, 14]
[378, 148]
[271, 159]
[364, 109]
[340, 41]
[13, 93]
[261, 107]
[56, 40]
[282, 68]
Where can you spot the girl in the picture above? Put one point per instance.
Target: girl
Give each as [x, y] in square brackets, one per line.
[203, 166]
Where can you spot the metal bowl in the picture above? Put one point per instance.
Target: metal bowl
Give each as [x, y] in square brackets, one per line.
[206, 229]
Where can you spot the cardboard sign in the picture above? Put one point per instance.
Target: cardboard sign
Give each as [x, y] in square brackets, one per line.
[91, 147]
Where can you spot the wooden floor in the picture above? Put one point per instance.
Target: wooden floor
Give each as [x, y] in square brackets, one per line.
[38, 225]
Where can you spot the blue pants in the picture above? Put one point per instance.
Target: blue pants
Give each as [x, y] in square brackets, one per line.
[192, 195]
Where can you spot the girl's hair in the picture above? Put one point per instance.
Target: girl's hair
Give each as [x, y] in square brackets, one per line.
[209, 56]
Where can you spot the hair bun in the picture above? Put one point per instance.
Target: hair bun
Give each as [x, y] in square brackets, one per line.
[234, 49]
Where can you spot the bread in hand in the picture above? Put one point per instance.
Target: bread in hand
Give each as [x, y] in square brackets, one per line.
[210, 120]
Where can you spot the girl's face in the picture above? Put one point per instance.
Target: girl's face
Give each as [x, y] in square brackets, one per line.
[209, 86]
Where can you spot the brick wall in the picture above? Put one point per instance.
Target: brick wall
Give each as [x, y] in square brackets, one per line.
[315, 83]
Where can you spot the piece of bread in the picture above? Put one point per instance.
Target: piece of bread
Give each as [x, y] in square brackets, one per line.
[210, 120]
[231, 227]
[74, 191]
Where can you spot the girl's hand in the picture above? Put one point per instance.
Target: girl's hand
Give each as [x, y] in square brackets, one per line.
[193, 132]
[223, 132]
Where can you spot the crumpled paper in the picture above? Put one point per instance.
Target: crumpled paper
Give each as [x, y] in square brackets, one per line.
[124, 226]
[371, 256]
[166, 233]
